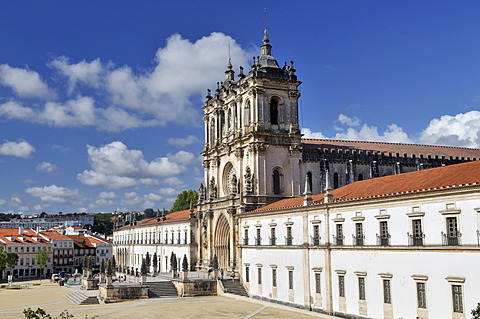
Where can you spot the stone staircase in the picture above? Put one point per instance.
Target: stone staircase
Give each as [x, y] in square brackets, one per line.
[234, 287]
[80, 298]
[161, 289]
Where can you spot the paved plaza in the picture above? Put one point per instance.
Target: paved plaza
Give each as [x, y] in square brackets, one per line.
[50, 296]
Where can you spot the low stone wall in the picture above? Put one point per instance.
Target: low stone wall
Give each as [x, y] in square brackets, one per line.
[115, 293]
[90, 283]
[190, 288]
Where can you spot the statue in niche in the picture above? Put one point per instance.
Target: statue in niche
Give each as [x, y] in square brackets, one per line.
[248, 181]
[201, 193]
[213, 189]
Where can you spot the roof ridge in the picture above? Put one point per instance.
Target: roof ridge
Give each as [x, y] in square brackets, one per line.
[390, 143]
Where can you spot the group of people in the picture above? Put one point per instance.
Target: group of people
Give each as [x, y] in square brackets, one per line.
[222, 273]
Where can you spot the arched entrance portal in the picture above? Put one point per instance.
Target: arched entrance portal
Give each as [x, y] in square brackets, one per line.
[221, 244]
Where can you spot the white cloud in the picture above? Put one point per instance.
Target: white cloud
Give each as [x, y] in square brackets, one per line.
[462, 130]
[54, 193]
[47, 167]
[123, 98]
[2, 201]
[308, 133]
[115, 166]
[19, 149]
[168, 191]
[182, 157]
[149, 200]
[24, 83]
[349, 121]
[15, 201]
[106, 195]
[174, 182]
[182, 142]
[393, 134]
[84, 72]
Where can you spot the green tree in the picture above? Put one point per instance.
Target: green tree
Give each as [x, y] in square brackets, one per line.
[183, 201]
[11, 260]
[149, 213]
[3, 261]
[476, 312]
[41, 259]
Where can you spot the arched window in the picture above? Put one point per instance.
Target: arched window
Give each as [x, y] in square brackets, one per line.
[310, 179]
[335, 180]
[273, 112]
[247, 114]
[360, 177]
[276, 182]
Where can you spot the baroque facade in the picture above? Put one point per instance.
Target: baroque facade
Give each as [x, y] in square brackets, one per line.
[254, 154]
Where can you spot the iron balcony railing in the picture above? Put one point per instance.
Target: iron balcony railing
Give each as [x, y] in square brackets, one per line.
[451, 239]
[315, 240]
[383, 240]
[245, 241]
[338, 240]
[358, 240]
[289, 240]
[258, 241]
[273, 241]
[416, 239]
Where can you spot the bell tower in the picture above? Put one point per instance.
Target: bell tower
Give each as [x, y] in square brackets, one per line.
[251, 150]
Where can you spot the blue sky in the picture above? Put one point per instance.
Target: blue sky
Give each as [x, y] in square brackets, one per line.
[100, 100]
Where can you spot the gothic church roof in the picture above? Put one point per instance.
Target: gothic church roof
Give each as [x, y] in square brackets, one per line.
[394, 148]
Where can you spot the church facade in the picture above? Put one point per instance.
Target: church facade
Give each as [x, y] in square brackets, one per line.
[254, 154]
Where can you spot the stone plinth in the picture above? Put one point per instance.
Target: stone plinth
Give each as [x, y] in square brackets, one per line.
[116, 293]
[189, 288]
[90, 283]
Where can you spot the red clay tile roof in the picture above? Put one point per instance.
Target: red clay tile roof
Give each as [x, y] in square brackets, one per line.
[458, 175]
[394, 148]
[173, 217]
[28, 234]
[55, 235]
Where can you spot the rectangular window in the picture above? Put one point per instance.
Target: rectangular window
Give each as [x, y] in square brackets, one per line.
[341, 286]
[417, 234]
[457, 298]
[361, 288]
[339, 229]
[452, 231]
[421, 296]
[317, 283]
[247, 274]
[258, 240]
[290, 279]
[259, 277]
[359, 234]
[384, 235]
[316, 235]
[289, 236]
[274, 277]
[245, 236]
[273, 237]
[386, 291]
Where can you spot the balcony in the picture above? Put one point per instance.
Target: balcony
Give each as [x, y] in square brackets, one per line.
[258, 241]
[338, 240]
[245, 241]
[315, 240]
[451, 239]
[416, 240]
[273, 241]
[289, 240]
[383, 240]
[358, 240]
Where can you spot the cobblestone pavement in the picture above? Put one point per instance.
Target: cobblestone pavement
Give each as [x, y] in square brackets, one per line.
[50, 297]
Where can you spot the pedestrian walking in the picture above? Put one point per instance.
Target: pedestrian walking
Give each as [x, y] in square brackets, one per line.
[221, 273]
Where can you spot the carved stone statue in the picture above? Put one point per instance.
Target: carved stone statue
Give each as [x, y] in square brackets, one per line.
[201, 193]
[248, 181]
[213, 189]
[233, 184]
